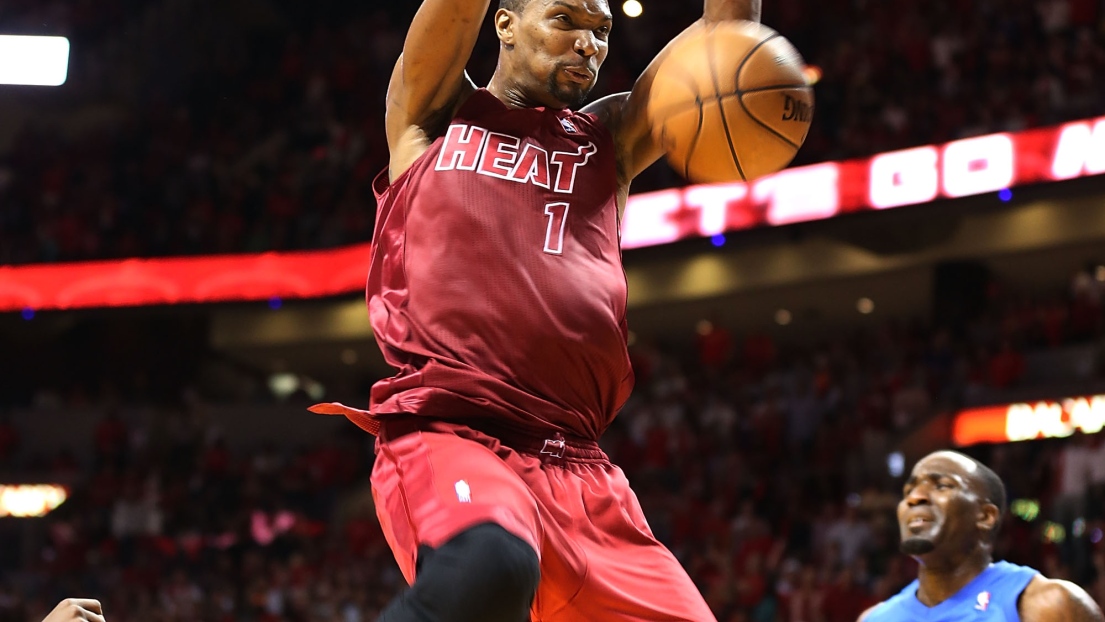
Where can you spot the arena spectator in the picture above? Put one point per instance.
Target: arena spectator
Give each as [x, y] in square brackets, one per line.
[269, 138]
[187, 526]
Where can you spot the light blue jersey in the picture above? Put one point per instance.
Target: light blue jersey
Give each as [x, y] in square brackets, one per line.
[991, 597]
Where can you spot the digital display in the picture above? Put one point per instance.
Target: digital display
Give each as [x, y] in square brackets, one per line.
[973, 166]
[1012, 423]
[968, 167]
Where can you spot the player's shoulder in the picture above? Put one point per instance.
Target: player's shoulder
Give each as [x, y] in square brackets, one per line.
[1004, 569]
[892, 608]
[607, 109]
[607, 112]
[886, 610]
[1047, 599]
[1010, 567]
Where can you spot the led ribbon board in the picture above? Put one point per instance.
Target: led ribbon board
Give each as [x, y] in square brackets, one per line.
[1012, 423]
[133, 282]
[974, 166]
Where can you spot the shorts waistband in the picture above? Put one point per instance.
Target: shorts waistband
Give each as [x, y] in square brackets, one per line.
[550, 447]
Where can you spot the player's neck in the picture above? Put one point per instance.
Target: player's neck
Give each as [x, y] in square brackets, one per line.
[941, 579]
[503, 91]
[510, 92]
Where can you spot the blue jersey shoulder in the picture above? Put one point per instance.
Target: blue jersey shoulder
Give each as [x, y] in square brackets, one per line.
[992, 596]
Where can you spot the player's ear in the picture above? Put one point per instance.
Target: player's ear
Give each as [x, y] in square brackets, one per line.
[505, 24]
[988, 517]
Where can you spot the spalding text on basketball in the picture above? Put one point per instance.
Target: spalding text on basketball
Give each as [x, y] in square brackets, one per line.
[796, 110]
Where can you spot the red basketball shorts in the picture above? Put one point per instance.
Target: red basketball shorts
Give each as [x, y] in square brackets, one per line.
[599, 559]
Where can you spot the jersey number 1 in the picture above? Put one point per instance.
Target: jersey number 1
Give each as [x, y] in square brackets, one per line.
[554, 233]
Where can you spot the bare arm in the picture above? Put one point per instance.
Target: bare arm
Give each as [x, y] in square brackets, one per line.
[429, 77]
[1052, 600]
[625, 113]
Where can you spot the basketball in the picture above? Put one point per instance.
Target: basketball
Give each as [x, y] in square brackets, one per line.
[730, 102]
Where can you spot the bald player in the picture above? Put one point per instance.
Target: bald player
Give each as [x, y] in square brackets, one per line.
[949, 516]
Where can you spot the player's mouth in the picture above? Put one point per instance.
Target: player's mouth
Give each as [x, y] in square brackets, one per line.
[579, 74]
[920, 522]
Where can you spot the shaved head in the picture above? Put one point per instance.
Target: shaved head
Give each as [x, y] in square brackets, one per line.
[986, 482]
[944, 505]
[515, 6]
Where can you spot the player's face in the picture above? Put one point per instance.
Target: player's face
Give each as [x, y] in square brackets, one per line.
[562, 44]
[939, 505]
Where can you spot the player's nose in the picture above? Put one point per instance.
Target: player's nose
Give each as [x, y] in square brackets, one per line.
[916, 497]
[587, 45]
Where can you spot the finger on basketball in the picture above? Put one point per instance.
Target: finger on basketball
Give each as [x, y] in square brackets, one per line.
[72, 609]
[89, 604]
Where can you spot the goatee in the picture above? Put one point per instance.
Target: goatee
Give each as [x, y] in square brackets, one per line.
[571, 98]
[917, 546]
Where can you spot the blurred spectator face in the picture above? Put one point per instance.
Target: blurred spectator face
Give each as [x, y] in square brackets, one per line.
[552, 50]
[941, 510]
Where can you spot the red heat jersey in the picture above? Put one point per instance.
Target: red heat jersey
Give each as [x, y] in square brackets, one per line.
[496, 286]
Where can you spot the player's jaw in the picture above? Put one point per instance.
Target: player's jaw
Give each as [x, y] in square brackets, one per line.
[935, 525]
[570, 83]
[921, 528]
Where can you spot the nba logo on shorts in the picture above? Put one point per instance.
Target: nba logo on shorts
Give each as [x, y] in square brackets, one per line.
[983, 601]
[568, 126]
[464, 493]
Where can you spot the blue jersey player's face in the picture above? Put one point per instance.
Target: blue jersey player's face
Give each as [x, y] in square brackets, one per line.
[940, 506]
[558, 48]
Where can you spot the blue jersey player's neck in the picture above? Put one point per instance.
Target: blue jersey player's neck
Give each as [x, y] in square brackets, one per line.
[941, 578]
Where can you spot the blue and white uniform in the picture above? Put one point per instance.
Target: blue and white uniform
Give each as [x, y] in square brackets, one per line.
[990, 597]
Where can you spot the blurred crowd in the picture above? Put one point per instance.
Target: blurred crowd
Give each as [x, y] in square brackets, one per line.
[771, 471]
[183, 528]
[263, 127]
[776, 480]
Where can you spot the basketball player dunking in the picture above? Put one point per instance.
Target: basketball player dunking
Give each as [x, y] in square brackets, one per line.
[496, 289]
[949, 514]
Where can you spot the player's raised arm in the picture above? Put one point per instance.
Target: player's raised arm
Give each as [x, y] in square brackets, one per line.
[1052, 600]
[429, 76]
[625, 113]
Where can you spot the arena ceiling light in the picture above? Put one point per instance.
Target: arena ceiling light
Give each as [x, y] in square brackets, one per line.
[783, 317]
[30, 501]
[33, 61]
